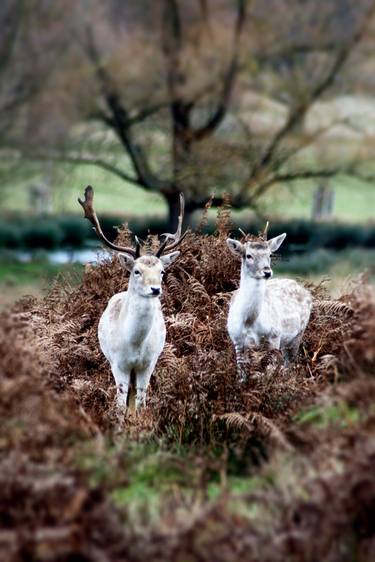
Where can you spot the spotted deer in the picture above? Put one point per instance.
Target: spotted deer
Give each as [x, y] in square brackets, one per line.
[274, 311]
[131, 329]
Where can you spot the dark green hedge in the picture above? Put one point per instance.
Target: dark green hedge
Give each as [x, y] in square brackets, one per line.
[72, 231]
[308, 235]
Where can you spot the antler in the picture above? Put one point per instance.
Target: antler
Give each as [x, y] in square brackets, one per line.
[265, 231]
[176, 237]
[262, 235]
[90, 214]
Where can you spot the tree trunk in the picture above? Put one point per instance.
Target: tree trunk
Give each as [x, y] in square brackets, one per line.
[323, 200]
[173, 202]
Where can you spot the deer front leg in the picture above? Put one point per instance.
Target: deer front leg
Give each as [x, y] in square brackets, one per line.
[274, 342]
[122, 379]
[142, 382]
[241, 362]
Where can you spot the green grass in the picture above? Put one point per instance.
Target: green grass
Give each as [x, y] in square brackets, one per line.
[37, 273]
[340, 415]
[142, 475]
[354, 199]
[35, 278]
[112, 195]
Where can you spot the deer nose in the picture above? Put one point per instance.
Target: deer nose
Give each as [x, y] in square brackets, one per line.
[267, 274]
[155, 290]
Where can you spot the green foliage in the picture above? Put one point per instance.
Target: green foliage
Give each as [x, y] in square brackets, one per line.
[75, 230]
[37, 272]
[45, 234]
[308, 235]
[315, 262]
[340, 415]
[9, 236]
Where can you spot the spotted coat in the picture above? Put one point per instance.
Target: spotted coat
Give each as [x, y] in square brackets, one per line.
[276, 311]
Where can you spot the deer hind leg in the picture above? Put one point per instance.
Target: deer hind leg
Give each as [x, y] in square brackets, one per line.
[291, 349]
[122, 379]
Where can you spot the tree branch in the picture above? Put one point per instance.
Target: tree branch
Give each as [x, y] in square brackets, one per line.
[147, 112]
[350, 170]
[299, 112]
[14, 20]
[120, 121]
[229, 78]
[172, 46]
[81, 159]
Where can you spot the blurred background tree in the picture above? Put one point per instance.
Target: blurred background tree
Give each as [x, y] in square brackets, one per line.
[201, 97]
[268, 102]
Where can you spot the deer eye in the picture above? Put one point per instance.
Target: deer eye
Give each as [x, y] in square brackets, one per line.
[137, 272]
[249, 257]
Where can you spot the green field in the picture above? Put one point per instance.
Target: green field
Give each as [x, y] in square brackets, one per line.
[354, 199]
[35, 278]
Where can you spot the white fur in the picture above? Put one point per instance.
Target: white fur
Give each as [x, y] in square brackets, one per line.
[131, 330]
[275, 311]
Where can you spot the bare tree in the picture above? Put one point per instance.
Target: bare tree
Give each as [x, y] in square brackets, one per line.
[181, 68]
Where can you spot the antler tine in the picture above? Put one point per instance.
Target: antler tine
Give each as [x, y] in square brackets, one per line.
[138, 246]
[265, 231]
[90, 214]
[177, 237]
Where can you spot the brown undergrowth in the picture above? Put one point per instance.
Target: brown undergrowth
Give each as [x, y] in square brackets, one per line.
[56, 390]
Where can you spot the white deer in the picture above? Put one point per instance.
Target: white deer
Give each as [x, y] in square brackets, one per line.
[275, 311]
[131, 329]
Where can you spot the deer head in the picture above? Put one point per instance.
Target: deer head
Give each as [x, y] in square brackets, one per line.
[146, 272]
[255, 253]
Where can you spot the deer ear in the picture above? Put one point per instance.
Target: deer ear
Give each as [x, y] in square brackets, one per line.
[275, 243]
[169, 258]
[235, 247]
[126, 261]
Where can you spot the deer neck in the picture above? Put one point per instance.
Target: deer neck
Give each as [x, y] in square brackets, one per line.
[251, 297]
[137, 316]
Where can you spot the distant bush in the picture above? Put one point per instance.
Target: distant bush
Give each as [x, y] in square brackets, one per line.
[47, 235]
[338, 236]
[72, 231]
[75, 231]
[305, 234]
[369, 238]
[9, 236]
[298, 231]
[316, 262]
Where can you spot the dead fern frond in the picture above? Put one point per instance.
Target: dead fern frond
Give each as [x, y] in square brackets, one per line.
[224, 221]
[255, 423]
[235, 420]
[204, 217]
[333, 307]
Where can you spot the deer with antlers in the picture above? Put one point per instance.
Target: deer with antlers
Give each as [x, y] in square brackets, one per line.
[131, 329]
[275, 311]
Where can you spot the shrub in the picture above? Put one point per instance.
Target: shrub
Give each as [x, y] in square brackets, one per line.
[9, 236]
[337, 236]
[55, 409]
[369, 237]
[316, 262]
[298, 232]
[47, 235]
[75, 231]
